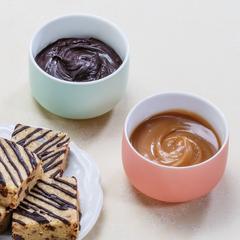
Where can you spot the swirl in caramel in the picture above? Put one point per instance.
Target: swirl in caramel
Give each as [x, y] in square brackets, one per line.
[176, 139]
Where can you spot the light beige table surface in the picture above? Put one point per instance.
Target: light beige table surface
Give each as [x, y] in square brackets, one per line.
[189, 45]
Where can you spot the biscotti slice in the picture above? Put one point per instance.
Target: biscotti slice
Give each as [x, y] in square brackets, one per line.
[19, 171]
[50, 146]
[5, 217]
[50, 211]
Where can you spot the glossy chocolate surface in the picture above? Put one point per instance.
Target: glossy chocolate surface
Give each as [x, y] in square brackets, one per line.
[78, 59]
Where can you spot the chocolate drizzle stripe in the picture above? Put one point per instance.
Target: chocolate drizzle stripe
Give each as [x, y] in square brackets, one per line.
[2, 181]
[45, 153]
[23, 140]
[32, 215]
[32, 159]
[73, 186]
[37, 138]
[44, 144]
[16, 131]
[59, 172]
[64, 142]
[52, 166]
[51, 161]
[53, 144]
[58, 154]
[19, 222]
[17, 126]
[9, 172]
[19, 156]
[48, 212]
[53, 185]
[47, 202]
[11, 161]
[26, 206]
[52, 199]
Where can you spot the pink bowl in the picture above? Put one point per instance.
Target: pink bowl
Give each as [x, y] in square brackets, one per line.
[174, 184]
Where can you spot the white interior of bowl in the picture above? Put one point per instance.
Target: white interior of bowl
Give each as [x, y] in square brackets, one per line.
[172, 101]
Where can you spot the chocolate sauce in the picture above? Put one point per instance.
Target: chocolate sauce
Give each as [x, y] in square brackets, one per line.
[78, 59]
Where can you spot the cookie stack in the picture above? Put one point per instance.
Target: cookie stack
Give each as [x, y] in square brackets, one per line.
[43, 203]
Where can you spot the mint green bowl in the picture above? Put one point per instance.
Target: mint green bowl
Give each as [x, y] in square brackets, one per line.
[78, 100]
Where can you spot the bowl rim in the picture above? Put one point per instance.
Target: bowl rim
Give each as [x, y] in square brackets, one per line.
[180, 93]
[84, 15]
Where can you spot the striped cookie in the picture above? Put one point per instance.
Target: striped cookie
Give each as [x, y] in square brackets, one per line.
[5, 217]
[50, 211]
[50, 146]
[19, 171]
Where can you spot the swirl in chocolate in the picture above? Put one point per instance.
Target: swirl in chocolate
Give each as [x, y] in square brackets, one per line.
[175, 139]
[78, 59]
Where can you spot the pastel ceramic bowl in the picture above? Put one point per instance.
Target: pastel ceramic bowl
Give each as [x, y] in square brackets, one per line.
[174, 184]
[79, 100]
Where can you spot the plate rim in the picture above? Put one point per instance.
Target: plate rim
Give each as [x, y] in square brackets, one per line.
[99, 186]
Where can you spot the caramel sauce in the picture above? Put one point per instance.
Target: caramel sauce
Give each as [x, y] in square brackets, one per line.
[177, 138]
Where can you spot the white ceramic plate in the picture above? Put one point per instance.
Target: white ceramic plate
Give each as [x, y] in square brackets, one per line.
[84, 168]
